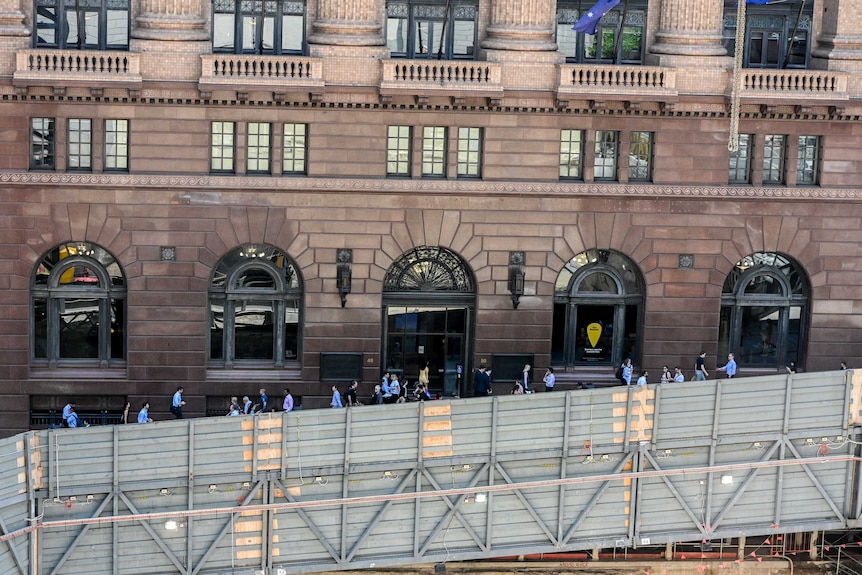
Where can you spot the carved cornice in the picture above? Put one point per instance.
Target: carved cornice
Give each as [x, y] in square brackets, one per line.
[200, 189]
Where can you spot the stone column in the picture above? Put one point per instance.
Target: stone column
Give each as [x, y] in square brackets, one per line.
[12, 19]
[348, 23]
[688, 31]
[839, 43]
[170, 20]
[521, 25]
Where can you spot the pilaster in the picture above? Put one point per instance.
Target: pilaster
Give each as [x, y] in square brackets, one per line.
[839, 43]
[347, 23]
[690, 33]
[12, 19]
[521, 25]
[170, 20]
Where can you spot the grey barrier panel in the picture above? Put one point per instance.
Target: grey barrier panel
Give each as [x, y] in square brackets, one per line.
[445, 480]
[14, 504]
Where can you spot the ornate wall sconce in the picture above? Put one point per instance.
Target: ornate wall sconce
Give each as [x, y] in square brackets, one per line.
[516, 277]
[344, 275]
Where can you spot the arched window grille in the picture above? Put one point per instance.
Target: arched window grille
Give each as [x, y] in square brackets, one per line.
[255, 307]
[78, 295]
[598, 310]
[764, 311]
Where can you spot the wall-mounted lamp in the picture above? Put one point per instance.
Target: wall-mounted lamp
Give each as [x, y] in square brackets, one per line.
[516, 277]
[344, 276]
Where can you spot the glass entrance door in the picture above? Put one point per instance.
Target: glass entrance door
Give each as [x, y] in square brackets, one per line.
[594, 334]
[416, 335]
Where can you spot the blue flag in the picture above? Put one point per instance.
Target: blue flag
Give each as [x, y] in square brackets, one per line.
[590, 20]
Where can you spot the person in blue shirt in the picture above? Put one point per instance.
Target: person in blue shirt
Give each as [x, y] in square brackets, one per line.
[75, 421]
[66, 411]
[144, 413]
[627, 371]
[263, 406]
[178, 403]
[336, 398]
[729, 367]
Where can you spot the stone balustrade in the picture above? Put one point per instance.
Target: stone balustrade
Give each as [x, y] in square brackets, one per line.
[46, 67]
[232, 71]
[441, 76]
[817, 84]
[589, 79]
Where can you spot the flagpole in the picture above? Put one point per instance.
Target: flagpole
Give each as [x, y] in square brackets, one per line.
[620, 33]
[793, 36]
[443, 32]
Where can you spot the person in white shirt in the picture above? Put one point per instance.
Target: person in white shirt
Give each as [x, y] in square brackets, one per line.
[550, 379]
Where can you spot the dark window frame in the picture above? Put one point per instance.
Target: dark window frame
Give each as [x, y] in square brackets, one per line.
[567, 142]
[434, 151]
[412, 13]
[609, 48]
[256, 13]
[779, 21]
[258, 154]
[79, 145]
[471, 148]
[218, 148]
[812, 153]
[54, 15]
[119, 154]
[641, 155]
[606, 148]
[736, 173]
[43, 143]
[298, 165]
[399, 151]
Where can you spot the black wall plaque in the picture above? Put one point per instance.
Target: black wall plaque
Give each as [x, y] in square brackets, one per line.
[337, 367]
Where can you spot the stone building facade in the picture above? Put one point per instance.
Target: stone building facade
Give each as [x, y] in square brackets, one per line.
[227, 196]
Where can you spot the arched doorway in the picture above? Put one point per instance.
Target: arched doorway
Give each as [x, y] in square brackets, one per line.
[598, 306]
[764, 311]
[429, 302]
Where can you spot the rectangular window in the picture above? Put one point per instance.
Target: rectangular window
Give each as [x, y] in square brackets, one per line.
[222, 147]
[79, 144]
[84, 25]
[606, 155]
[258, 26]
[739, 171]
[640, 156]
[295, 148]
[808, 160]
[435, 30]
[42, 144]
[117, 145]
[571, 154]
[773, 159]
[469, 152]
[398, 151]
[258, 147]
[614, 41]
[434, 151]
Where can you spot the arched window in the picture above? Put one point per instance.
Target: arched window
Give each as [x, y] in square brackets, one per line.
[764, 311]
[429, 301]
[598, 301]
[78, 295]
[255, 304]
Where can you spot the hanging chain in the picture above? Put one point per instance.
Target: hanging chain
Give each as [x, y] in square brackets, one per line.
[736, 91]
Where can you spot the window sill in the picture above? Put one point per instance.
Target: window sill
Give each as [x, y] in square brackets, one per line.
[255, 373]
[72, 372]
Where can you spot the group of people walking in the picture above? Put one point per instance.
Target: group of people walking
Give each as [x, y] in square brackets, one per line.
[625, 371]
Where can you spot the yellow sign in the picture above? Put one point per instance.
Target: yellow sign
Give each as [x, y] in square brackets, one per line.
[594, 332]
